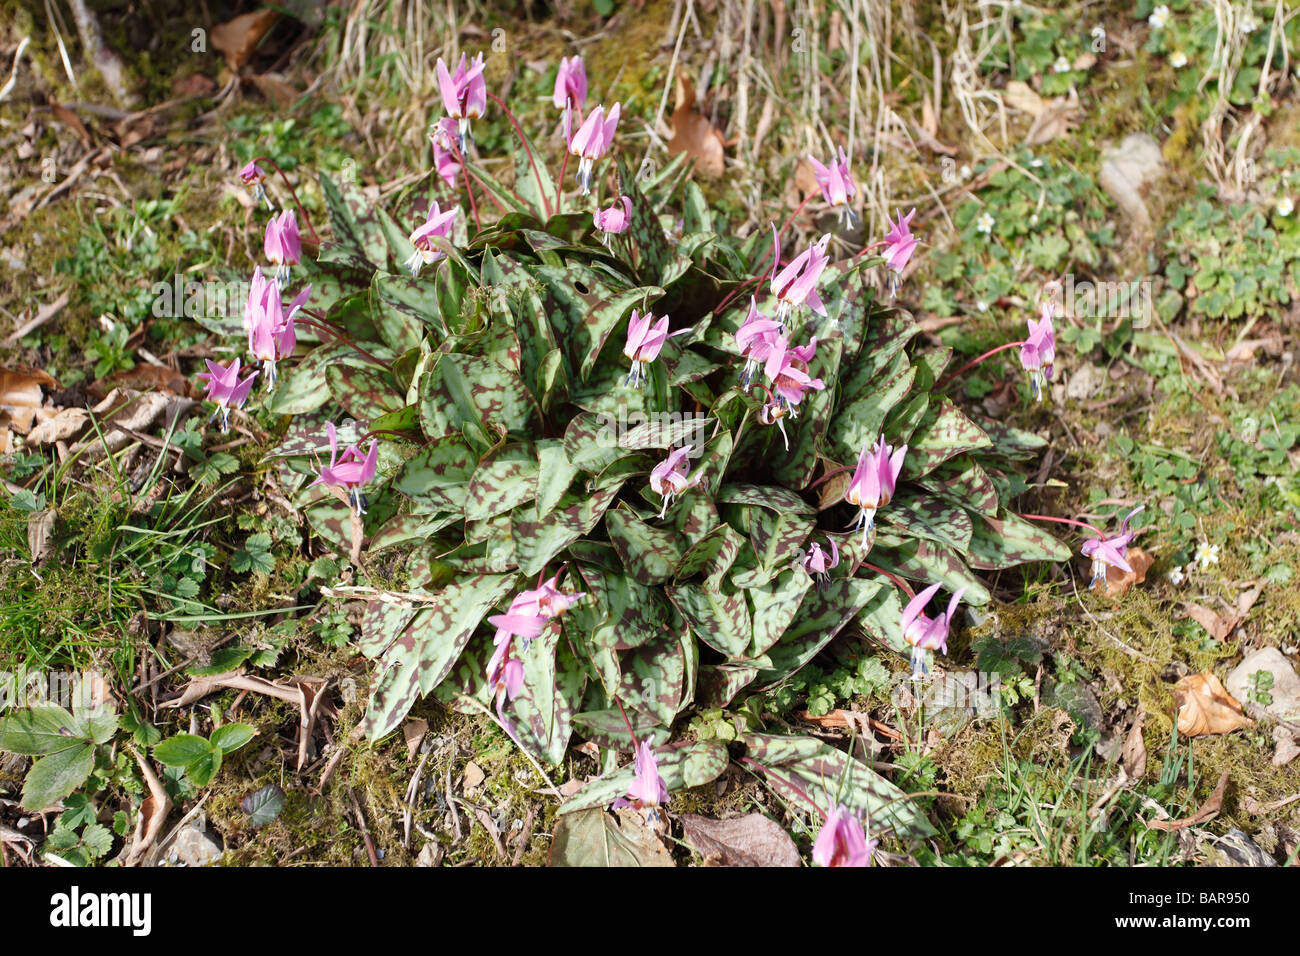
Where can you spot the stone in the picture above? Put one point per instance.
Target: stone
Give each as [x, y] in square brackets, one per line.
[194, 847]
[1286, 683]
[1127, 168]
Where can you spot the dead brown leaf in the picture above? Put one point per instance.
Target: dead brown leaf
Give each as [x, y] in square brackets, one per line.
[144, 378]
[694, 135]
[413, 732]
[1220, 626]
[1119, 581]
[1288, 746]
[474, 777]
[40, 534]
[751, 840]
[194, 84]
[237, 39]
[1133, 755]
[1207, 812]
[153, 813]
[21, 397]
[1205, 707]
[64, 425]
[277, 90]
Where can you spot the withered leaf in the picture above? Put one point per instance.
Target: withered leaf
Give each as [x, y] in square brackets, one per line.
[1133, 754]
[20, 396]
[751, 840]
[693, 134]
[1207, 812]
[1119, 581]
[237, 39]
[1205, 707]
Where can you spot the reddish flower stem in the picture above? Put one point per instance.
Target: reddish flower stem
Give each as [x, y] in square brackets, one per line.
[630, 732]
[464, 168]
[975, 361]
[907, 588]
[1070, 521]
[292, 192]
[762, 262]
[768, 771]
[311, 323]
[546, 204]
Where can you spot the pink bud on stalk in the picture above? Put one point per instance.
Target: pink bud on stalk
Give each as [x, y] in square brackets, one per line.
[464, 93]
[592, 141]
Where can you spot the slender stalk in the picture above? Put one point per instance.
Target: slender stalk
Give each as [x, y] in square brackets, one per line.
[292, 192]
[1069, 521]
[464, 168]
[975, 361]
[630, 732]
[346, 341]
[907, 588]
[559, 186]
[762, 262]
[768, 771]
[831, 474]
[546, 203]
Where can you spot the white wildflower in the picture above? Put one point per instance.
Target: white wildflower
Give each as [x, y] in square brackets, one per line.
[1178, 59]
[984, 224]
[1285, 206]
[1206, 554]
[1062, 65]
[1176, 575]
[1159, 17]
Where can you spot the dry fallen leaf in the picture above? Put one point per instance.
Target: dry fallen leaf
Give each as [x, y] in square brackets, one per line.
[238, 38]
[474, 777]
[65, 424]
[1288, 746]
[1133, 754]
[21, 397]
[1205, 707]
[279, 91]
[751, 840]
[1208, 811]
[413, 731]
[40, 534]
[694, 135]
[1118, 581]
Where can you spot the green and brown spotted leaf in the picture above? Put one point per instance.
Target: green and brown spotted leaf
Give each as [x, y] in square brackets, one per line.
[823, 614]
[653, 676]
[619, 612]
[354, 223]
[928, 562]
[857, 424]
[424, 652]
[963, 482]
[719, 616]
[437, 477]
[650, 554]
[405, 310]
[463, 390]
[1010, 540]
[949, 434]
[538, 541]
[772, 497]
[777, 538]
[365, 393]
[505, 478]
[542, 715]
[608, 729]
[816, 777]
[922, 516]
[711, 556]
[681, 766]
[774, 606]
[720, 683]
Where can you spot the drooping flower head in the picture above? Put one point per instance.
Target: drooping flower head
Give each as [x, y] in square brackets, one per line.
[899, 245]
[645, 339]
[787, 370]
[796, 284]
[252, 175]
[647, 789]
[842, 842]
[442, 136]
[755, 338]
[464, 93]
[836, 182]
[350, 471]
[529, 612]
[437, 223]
[818, 563]
[1038, 353]
[592, 141]
[874, 481]
[1110, 552]
[615, 219]
[775, 412]
[271, 335]
[283, 245]
[225, 389]
[670, 478]
[927, 634]
[570, 90]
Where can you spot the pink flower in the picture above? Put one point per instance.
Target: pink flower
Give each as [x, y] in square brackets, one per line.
[787, 369]
[349, 471]
[225, 389]
[756, 338]
[874, 481]
[927, 634]
[1110, 552]
[796, 284]
[570, 90]
[282, 245]
[842, 841]
[526, 618]
[437, 223]
[252, 175]
[899, 245]
[271, 336]
[645, 339]
[836, 183]
[1039, 351]
[592, 141]
[615, 219]
[669, 477]
[818, 563]
[648, 789]
[444, 157]
[464, 93]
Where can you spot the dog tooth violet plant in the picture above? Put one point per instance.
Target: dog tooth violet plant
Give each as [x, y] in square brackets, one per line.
[1110, 552]
[841, 841]
[836, 182]
[485, 381]
[927, 634]
[226, 390]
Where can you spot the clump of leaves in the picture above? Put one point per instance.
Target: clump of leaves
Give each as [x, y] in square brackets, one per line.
[512, 445]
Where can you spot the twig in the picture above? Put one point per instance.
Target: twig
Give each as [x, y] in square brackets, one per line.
[43, 316]
[361, 825]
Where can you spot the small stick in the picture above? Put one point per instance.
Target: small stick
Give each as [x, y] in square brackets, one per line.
[365, 831]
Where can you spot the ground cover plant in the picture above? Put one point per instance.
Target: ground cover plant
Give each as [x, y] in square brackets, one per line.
[507, 485]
